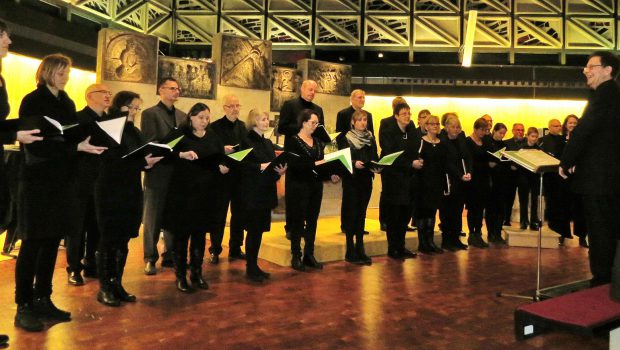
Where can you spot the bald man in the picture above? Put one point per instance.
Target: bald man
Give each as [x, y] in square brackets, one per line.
[231, 131]
[555, 191]
[343, 119]
[291, 109]
[84, 244]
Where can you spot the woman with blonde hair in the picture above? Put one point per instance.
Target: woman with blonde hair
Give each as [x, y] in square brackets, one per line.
[258, 189]
[47, 194]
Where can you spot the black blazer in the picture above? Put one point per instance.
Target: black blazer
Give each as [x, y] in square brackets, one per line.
[156, 122]
[594, 144]
[88, 164]
[396, 178]
[291, 109]
[47, 185]
[343, 120]
[258, 189]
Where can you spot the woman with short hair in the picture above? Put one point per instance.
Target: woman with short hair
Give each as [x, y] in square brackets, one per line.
[258, 189]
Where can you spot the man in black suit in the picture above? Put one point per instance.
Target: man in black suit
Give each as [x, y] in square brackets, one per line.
[98, 99]
[592, 157]
[231, 131]
[515, 143]
[155, 124]
[343, 119]
[287, 125]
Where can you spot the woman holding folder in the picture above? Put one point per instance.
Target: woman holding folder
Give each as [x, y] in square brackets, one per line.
[304, 190]
[189, 212]
[258, 189]
[47, 194]
[356, 189]
[118, 201]
[451, 210]
[500, 171]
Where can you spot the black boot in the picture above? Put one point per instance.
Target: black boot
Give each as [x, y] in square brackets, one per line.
[45, 309]
[106, 266]
[180, 269]
[447, 241]
[430, 236]
[121, 260]
[475, 239]
[26, 318]
[351, 254]
[456, 237]
[423, 246]
[4, 340]
[195, 269]
[296, 263]
[310, 261]
[360, 251]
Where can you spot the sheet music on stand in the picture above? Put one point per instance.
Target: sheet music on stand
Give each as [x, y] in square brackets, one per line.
[533, 160]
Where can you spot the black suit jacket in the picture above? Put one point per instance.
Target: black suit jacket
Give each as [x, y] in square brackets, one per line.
[396, 178]
[343, 120]
[287, 125]
[594, 145]
[155, 124]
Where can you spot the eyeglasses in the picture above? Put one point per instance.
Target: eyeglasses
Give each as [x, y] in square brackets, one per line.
[137, 109]
[172, 88]
[433, 124]
[313, 123]
[105, 92]
[590, 66]
[233, 106]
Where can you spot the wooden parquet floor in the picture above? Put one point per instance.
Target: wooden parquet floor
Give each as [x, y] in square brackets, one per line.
[432, 302]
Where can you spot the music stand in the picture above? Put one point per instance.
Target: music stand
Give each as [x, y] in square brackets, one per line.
[538, 162]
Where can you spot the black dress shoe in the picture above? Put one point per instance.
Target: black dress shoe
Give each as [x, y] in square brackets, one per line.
[167, 263]
[107, 296]
[561, 241]
[182, 285]
[534, 226]
[198, 281]
[583, 242]
[411, 228]
[395, 255]
[366, 232]
[214, 259]
[463, 234]
[507, 223]
[26, 319]
[236, 255]
[266, 275]
[310, 261]
[150, 269]
[44, 308]
[75, 279]
[296, 264]
[524, 226]
[254, 276]
[4, 339]
[123, 295]
[408, 254]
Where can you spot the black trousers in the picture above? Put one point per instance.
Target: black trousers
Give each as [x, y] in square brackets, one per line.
[511, 183]
[227, 196]
[84, 243]
[34, 269]
[396, 219]
[451, 212]
[303, 205]
[475, 214]
[557, 198]
[196, 242]
[603, 222]
[494, 211]
[356, 191]
[577, 216]
[252, 246]
[529, 189]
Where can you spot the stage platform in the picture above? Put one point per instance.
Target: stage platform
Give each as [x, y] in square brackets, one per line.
[330, 241]
[587, 312]
[529, 238]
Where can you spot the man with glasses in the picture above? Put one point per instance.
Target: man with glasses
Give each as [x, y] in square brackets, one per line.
[556, 199]
[230, 130]
[592, 157]
[98, 99]
[156, 123]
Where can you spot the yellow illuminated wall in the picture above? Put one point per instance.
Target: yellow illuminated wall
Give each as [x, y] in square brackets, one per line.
[535, 113]
[19, 74]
